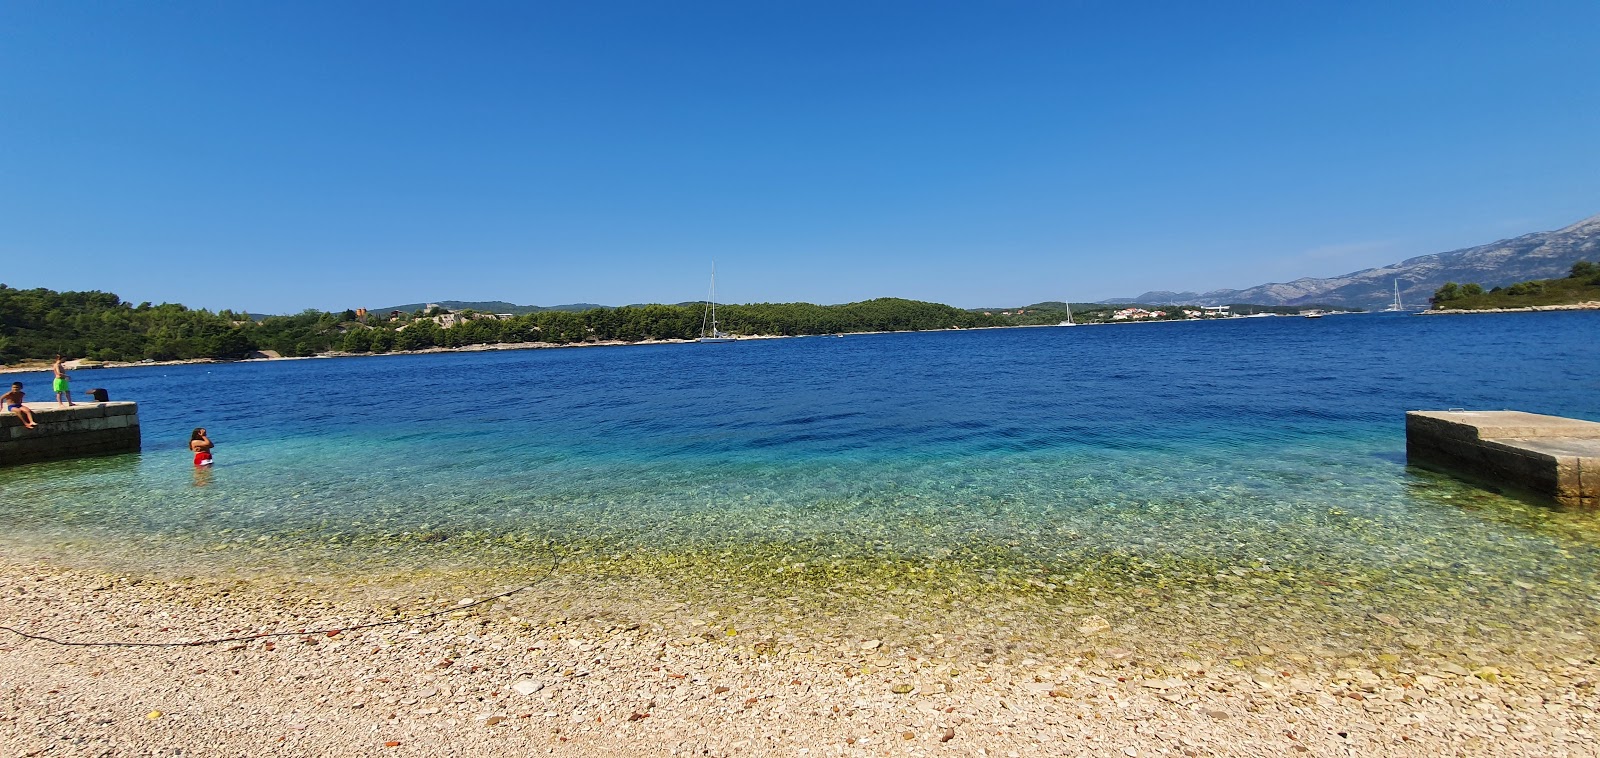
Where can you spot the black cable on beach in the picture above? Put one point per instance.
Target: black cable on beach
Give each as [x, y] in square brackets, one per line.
[298, 633]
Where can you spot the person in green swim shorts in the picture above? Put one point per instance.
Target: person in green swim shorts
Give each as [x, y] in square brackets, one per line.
[63, 384]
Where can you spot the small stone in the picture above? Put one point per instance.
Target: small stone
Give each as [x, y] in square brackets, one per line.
[718, 690]
[1216, 713]
[901, 689]
[153, 715]
[1094, 625]
[1160, 684]
[492, 720]
[949, 734]
[871, 644]
[1387, 619]
[527, 687]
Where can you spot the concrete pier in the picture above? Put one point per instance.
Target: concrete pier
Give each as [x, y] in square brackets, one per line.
[77, 431]
[1547, 455]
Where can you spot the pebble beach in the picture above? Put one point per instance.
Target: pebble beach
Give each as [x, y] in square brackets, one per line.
[537, 672]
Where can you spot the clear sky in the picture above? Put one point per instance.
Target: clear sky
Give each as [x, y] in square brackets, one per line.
[276, 156]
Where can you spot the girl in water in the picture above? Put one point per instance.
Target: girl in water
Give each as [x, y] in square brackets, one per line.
[201, 446]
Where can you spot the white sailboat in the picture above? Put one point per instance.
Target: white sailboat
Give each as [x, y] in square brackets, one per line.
[1069, 321]
[708, 322]
[1396, 306]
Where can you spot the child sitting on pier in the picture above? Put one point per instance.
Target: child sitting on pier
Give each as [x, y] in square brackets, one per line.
[12, 401]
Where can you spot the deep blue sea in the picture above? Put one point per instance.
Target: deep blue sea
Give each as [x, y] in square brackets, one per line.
[1174, 483]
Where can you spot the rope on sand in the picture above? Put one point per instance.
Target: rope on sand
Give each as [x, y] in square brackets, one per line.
[331, 631]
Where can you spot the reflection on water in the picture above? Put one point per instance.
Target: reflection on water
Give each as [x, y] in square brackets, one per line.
[1211, 489]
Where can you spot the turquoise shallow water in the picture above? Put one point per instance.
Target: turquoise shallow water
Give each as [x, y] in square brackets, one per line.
[1233, 484]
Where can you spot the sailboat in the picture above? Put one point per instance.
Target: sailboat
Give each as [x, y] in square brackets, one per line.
[1396, 307]
[709, 319]
[1069, 321]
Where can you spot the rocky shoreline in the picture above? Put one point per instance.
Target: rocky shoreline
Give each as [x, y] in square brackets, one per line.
[1592, 305]
[534, 672]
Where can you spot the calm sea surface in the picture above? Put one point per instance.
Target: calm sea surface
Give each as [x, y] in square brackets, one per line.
[1235, 486]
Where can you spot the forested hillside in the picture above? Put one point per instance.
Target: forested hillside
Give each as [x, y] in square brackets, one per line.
[39, 323]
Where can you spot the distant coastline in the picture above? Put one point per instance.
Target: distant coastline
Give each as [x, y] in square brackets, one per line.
[1592, 305]
[485, 347]
[75, 366]
[42, 365]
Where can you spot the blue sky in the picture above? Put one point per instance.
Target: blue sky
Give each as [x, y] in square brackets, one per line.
[276, 156]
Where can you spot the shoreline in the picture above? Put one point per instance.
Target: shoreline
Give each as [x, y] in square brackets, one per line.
[32, 367]
[45, 365]
[535, 672]
[1592, 305]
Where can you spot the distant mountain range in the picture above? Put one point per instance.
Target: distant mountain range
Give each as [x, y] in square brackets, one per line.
[1543, 255]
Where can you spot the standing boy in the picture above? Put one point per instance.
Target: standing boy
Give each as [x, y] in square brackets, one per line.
[63, 384]
[12, 401]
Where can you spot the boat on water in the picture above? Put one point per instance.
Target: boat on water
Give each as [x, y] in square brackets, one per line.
[1395, 307]
[1312, 314]
[708, 322]
[1069, 321]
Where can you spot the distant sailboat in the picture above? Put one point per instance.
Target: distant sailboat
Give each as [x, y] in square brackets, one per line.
[1069, 321]
[708, 322]
[1396, 306]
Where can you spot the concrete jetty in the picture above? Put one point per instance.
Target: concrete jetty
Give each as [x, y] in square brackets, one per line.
[1547, 455]
[76, 431]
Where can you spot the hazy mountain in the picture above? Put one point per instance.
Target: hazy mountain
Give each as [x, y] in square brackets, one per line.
[1543, 255]
[488, 306]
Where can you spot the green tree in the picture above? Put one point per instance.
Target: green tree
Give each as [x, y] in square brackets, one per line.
[382, 341]
[232, 345]
[357, 340]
